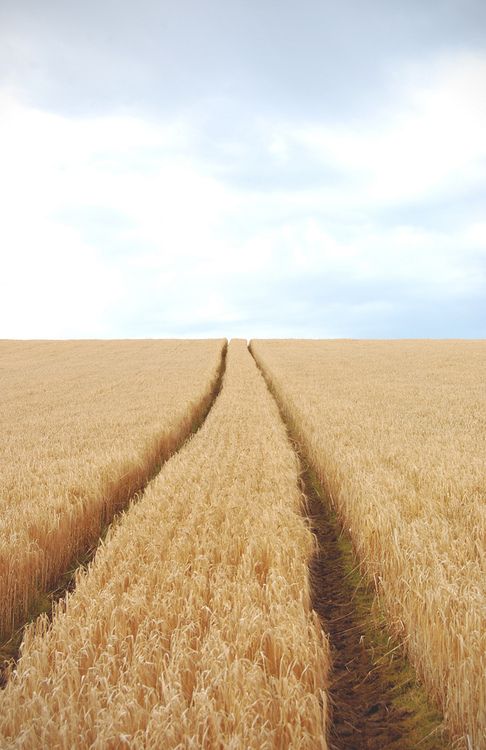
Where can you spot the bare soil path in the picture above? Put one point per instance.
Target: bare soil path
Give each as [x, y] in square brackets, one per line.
[376, 701]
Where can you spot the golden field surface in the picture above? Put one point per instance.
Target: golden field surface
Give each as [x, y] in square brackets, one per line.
[396, 433]
[83, 425]
[193, 625]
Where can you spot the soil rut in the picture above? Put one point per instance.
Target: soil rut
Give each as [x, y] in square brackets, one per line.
[10, 649]
[376, 702]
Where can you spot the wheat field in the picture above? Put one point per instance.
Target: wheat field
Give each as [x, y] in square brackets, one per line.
[192, 627]
[82, 426]
[396, 432]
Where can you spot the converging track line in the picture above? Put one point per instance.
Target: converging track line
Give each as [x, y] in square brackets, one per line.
[375, 702]
[10, 648]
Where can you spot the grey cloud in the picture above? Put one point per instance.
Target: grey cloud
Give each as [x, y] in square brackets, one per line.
[250, 165]
[347, 306]
[224, 68]
[317, 305]
[312, 58]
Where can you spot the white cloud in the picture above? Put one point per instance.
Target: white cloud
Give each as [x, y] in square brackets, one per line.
[53, 285]
[429, 137]
[56, 284]
[476, 235]
[186, 232]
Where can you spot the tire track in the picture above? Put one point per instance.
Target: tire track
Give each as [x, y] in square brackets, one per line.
[376, 702]
[10, 648]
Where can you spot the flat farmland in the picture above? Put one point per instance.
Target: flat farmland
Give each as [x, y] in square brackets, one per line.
[273, 546]
[82, 426]
[396, 434]
[193, 626]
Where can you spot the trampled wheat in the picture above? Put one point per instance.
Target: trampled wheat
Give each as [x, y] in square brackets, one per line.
[192, 627]
[82, 426]
[396, 432]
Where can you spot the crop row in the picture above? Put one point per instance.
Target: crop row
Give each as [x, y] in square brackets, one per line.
[396, 432]
[83, 427]
[193, 626]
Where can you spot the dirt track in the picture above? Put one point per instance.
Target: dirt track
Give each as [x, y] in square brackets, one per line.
[10, 649]
[376, 704]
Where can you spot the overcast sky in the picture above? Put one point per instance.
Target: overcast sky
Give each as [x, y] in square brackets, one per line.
[242, 168]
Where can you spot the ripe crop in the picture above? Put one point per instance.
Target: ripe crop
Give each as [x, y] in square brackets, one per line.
[193, 626]
[396, 433]
[83, 426]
